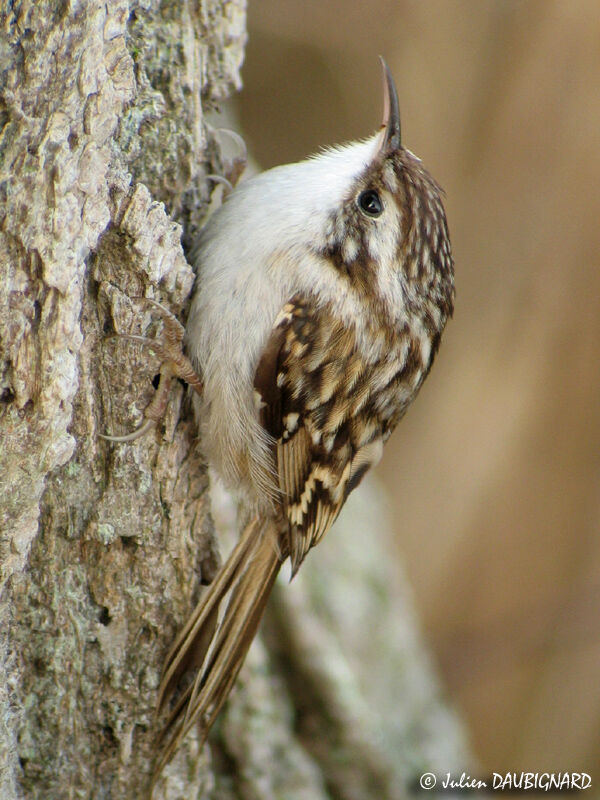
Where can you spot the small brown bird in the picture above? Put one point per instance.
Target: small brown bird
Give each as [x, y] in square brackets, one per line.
[322, 291]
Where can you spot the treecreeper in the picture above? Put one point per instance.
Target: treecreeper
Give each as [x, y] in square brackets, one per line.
[322, 290]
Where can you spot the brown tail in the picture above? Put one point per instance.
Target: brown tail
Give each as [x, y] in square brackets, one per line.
[218, 651]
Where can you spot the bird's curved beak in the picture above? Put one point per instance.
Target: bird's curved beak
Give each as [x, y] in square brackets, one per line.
[392, 138]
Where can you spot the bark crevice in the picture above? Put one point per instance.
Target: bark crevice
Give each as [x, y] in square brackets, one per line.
[103, 546]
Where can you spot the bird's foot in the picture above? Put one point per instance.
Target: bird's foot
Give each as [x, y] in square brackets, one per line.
[174, 364]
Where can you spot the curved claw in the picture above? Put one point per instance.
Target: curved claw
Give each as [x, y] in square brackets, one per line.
[238, 140]
[237, 164]
[130, 437]
[154, 302]
[132, 337]
[220, 179]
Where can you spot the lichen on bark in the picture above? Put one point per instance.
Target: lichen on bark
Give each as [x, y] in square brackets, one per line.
[104, 547]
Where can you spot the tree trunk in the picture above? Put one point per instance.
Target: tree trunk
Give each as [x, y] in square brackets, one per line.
[104, 547]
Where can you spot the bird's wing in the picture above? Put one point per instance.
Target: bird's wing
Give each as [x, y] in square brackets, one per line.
[313, 393]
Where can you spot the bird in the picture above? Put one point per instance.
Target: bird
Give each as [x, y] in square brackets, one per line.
[322, 291]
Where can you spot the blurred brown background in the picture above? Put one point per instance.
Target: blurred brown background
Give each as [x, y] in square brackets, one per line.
[495, 472]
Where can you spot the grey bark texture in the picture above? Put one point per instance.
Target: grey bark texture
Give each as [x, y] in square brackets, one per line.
[104, 547]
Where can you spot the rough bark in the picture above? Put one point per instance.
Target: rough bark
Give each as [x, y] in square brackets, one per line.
[103, 547]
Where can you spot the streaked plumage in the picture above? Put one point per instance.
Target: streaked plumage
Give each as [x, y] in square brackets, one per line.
[323, 289]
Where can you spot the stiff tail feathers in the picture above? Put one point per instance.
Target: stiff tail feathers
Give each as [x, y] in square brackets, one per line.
[217, 650]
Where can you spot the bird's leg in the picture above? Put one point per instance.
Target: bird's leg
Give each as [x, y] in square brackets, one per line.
[174, 364]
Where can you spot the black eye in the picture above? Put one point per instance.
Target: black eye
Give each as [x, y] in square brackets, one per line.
[370, 202]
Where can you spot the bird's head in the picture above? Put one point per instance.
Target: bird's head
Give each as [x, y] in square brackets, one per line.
[387, 231]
